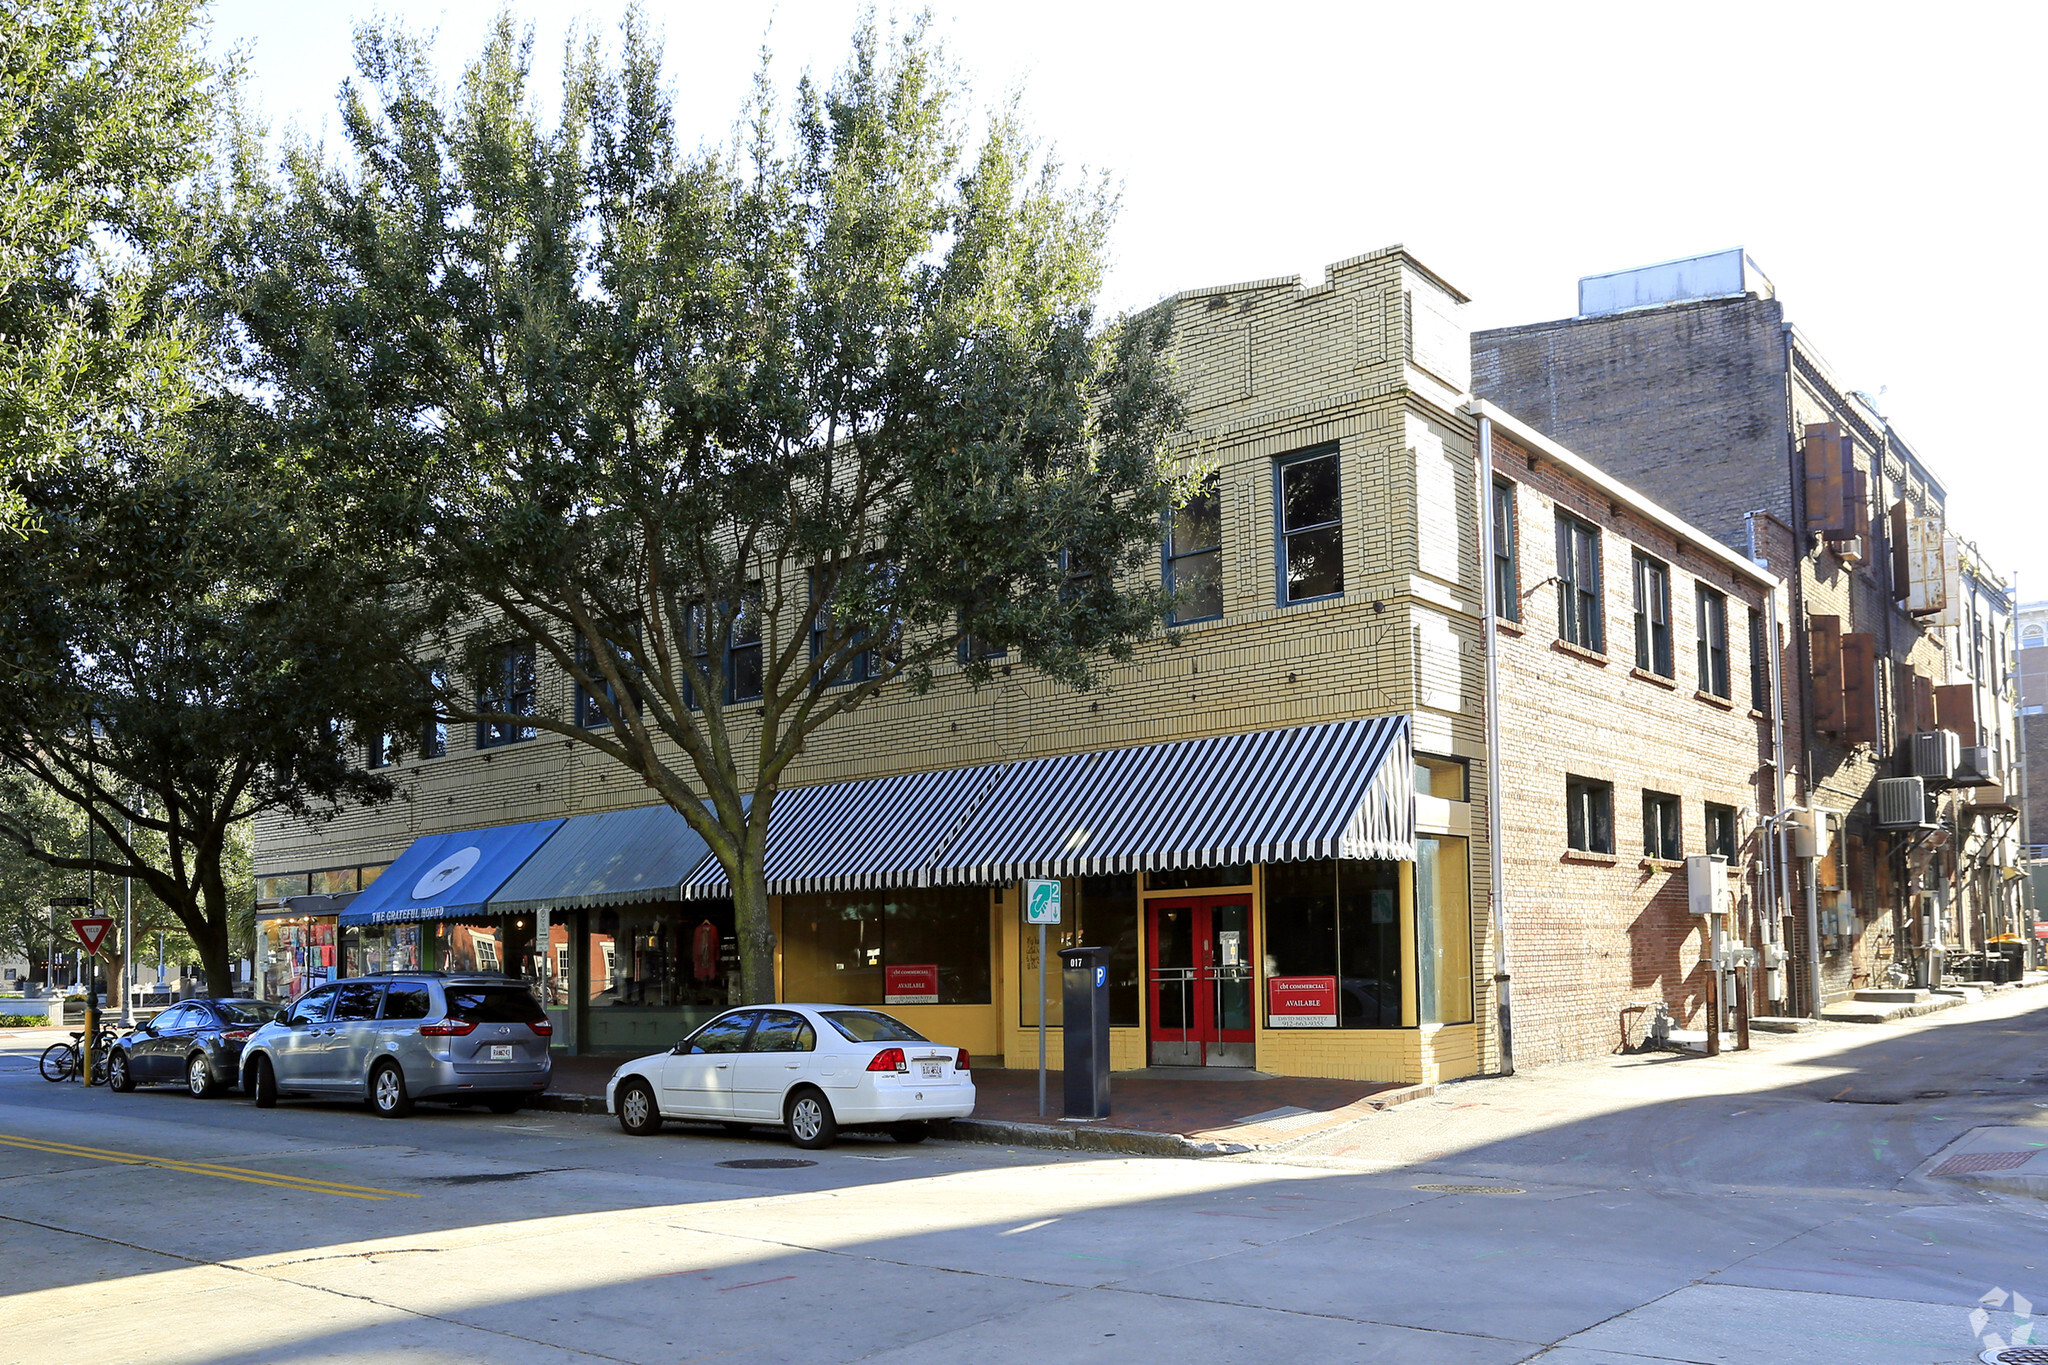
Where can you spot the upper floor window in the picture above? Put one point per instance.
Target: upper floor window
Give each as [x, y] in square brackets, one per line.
[1759, 662]
[1710, 615]
[741, 656]
[1653, 615]
[1719, 831]
[1661, 838]
[377, 750]
[1507, 573]
[1311, 547]
[507, 687]
[1589, 815]
[1578, 585]
[434, 730]
[1194, 556]
[590, 712]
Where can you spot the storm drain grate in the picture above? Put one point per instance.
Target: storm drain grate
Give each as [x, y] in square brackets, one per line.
[1983, 1161]
[766, 1163]
[1471, 1189]
[2017, 1355]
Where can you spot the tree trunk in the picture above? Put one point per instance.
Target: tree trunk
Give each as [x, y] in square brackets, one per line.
[756, 934]
[214, 959]
[115, 963]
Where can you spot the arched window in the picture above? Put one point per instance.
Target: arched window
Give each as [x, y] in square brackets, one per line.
[2033, 637]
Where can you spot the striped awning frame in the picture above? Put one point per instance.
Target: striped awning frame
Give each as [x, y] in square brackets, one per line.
[1339, 790]
[859, 836]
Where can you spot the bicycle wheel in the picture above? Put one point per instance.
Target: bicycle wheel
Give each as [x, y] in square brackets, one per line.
[60, 1062]
[99, 1066]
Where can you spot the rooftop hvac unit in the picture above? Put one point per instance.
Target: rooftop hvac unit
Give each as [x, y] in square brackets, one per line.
[1903, 803]
[1975, 767]
[1933, 754]
[1706, 883]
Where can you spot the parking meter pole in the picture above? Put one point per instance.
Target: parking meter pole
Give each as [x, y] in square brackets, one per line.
[1041, 1021]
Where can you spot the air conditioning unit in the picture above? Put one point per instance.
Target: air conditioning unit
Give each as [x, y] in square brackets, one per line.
[1976, 768]
[1904, 803]
[1933, 755]
[1848, 549]
[1706, 883]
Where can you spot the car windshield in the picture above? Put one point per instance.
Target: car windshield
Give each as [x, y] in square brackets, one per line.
[871, 1026]
[494, 1005]
[244, 1011]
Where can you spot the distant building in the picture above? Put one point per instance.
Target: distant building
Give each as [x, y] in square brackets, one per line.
[1687, 381]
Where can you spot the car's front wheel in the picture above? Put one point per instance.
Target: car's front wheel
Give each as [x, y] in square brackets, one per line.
[199, 1076]
[811, 1124]
[264, 1088]
[638, 1113]
[388, 1094]
[119, 1077]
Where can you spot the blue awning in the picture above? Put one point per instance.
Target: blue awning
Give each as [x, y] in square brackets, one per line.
[447, 876]
[1340, 790]
[620, 857]
[850, 836]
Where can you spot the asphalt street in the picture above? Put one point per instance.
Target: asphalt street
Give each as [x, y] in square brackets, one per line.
[1770, 1206]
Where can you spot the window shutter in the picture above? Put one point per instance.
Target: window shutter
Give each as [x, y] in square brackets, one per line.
[1856, 516]
[1902, 573]
[1859, 688]
[1824, 486]
[1824, 646]
[1955, 708]
[1923, 702]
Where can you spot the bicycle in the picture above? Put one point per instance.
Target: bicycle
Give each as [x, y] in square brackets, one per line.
[61, 1060]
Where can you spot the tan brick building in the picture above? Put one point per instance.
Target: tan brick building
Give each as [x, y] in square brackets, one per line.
[1275, 817]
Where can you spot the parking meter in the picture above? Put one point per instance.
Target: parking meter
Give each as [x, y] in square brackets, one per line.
[1084, 979]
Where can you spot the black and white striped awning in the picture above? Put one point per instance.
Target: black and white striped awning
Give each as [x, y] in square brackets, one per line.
[1339, 790]
[855, 836]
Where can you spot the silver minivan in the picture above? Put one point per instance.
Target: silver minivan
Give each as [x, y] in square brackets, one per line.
[403, 1037]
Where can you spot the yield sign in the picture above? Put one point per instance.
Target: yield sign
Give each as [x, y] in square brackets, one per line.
[92, 932]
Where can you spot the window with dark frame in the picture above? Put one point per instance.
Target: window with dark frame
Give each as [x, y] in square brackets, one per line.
[1653, 615]
[1718, 830]
[1194, 555]
[1589, 815]
[1759, 663]
[1507, 571]
[1579, 619]
[851, 670]
[1711, 617]
[377, 751]
[434, 733]
[741, 656]
[1311, 517]
[1661, 836]
[508, 687]
[589, 708]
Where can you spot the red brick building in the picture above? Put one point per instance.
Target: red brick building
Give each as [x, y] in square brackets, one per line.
[1635, 730]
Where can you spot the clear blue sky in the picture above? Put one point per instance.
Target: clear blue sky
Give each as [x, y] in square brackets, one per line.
[1881, 163]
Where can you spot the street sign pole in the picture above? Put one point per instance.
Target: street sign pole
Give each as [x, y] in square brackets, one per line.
[92, 932]
[1041, 907]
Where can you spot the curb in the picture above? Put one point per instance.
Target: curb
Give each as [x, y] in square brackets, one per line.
[1847, 1013]
[1128, 1141]
[568, 1104]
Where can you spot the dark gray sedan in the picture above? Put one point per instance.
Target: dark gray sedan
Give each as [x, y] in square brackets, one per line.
[196, 1044]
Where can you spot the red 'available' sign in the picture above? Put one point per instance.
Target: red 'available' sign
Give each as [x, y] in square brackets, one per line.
[1301, 1001]
[917, 984]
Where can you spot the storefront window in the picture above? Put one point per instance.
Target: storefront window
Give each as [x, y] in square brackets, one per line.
[1097, 912]
[1443, 931]
[913, 946]
[293, 956]
[374, 948]
[1195, 878]
[1341, 921]
[656, 973]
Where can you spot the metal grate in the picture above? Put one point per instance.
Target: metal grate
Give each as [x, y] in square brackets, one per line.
[1983, 1161]
[766, 1163]
[1471, 1189]
[2017, 1355]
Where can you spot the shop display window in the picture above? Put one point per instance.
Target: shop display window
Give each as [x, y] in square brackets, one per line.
[1443, 931]
[1341, 919]
[294, 955]
[1096, 912]
[907, 946]
[656, 972]
[373, 948]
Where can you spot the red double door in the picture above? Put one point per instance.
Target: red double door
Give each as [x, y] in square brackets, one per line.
[1199, 981]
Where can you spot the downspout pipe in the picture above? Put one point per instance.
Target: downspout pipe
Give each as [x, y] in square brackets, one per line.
[1503, 996]
[1796, 576]
[1781, 860]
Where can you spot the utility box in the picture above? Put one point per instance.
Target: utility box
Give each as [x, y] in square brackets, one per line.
[1084, 981]
[1706, 884]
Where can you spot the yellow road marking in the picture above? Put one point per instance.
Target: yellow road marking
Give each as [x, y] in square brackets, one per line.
[290, 1182]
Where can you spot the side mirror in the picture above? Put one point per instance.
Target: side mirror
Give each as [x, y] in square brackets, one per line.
[150, 1029]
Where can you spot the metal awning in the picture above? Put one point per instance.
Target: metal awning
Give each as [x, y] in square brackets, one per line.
[1340, 790]
[444, 876]
[853, 836]
[620, 857]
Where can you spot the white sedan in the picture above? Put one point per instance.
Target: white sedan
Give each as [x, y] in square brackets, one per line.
[811, 1068]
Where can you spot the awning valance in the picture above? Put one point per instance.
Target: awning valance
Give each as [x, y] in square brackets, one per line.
[850, 836]
[618, 857]
[446, 876]
[1339, 790]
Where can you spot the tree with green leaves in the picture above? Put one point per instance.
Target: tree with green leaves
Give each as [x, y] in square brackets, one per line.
[736, 440]
[106, 112]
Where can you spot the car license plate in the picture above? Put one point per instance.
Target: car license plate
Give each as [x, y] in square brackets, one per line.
[931, 1069]
[501, 1052]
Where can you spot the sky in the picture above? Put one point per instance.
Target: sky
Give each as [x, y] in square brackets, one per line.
[1881, 163]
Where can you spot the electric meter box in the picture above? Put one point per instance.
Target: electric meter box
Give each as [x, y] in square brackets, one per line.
[1706, 884]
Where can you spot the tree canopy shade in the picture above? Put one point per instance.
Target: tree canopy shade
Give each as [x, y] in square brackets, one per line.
[735, 439]
[105, 114]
